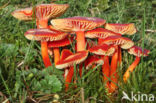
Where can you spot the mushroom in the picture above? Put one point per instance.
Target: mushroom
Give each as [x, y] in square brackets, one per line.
[128, 29]
[44, 12]
[23, 14]
[122, 28]
[60, 43]
[68, 60]
[138, 52]
[76, 58]
[68, 74]
[100, 33]
[45, 35]
[124, 43]
[92, 60]
[79, 25]
[105, 51]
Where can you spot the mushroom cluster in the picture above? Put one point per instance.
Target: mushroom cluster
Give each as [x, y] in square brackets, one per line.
[88, 53]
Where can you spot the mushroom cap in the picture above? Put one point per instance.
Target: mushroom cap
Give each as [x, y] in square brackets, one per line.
[65, 53]
[100, 33]
[23, 14]
[103, 49]
[137, 51]
[45, 35]
[125, 43]
[77, 23]
[93, 60]
[48, 11]
[122, 28]
[60, 43]
[72, 59]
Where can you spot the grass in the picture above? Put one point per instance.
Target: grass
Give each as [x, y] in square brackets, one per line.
[21, 64]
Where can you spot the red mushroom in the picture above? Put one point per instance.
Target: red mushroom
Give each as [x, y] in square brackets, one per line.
[105, 51]
[72, 59]
[78, 25]
[122, 28]
[23, 14]
[128, 29]
[100, 33]
[138, 52]
[45, 35]
[44, 12]
[69, 61]
[124, 43]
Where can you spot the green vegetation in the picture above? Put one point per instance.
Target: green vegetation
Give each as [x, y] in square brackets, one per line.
[22, 74]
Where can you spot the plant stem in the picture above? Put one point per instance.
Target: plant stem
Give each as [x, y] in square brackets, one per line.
[82, 95]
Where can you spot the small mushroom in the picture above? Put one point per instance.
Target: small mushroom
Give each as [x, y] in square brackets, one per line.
[128, 29]
[100, 33]
[45, 35]
[44, 12]
[138, 52]
[23, 14]
[78, 25]
[105, 51]
[68, 60]
[76, 58]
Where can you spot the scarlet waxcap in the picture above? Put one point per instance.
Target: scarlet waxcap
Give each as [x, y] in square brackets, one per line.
[103, 49]
[137, 51]
[48, 11]
[122, 28]
[100, 33]
[45, 35]
[123, 42]
[77, 23]
[72, 59]
[23, 14]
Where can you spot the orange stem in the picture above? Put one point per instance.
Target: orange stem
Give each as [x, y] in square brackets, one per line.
[80, 40]
[56, 55]
[69, 77]
[131, 68]
[106, 70]
[42, 23]
[44, 52]
[113, 74]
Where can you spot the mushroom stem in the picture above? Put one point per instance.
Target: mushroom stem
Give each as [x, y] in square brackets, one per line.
[69, 77]
[113, 74]
[44, 52]
[105, 70]
[131, 68]
[119, 55]
[56, 55]
[80, 40]
[42, 23]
